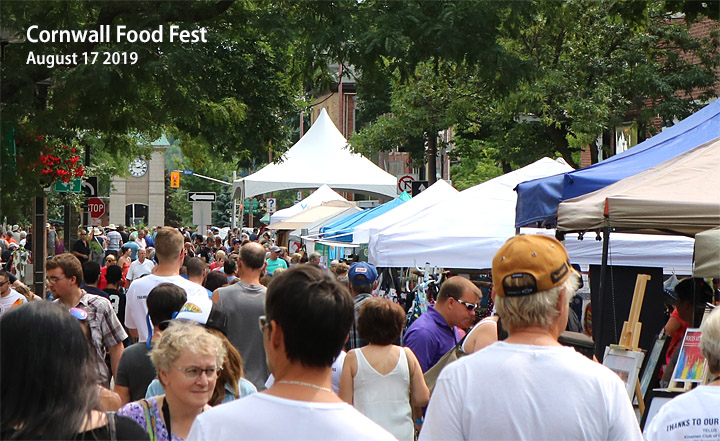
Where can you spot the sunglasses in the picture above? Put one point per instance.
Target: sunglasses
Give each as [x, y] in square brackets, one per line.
[263, 323]
[469, 306]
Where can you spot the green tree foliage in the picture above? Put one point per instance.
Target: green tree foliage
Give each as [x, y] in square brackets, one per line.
[565, 73]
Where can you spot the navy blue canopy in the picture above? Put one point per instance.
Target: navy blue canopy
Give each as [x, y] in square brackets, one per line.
[538, 199]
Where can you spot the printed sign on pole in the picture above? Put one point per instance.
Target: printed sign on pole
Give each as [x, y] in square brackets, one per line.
[271, 205]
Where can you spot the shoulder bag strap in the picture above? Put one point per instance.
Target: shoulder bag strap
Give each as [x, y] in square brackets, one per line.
[150, 425]
[112, 428]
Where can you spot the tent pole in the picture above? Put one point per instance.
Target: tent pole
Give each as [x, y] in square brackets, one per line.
[598, 308]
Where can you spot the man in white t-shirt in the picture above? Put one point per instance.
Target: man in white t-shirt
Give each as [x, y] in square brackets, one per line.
[694, 414]
[140, 267]
[169, 251]
[529, 386]
[308, 316]
[9, 298]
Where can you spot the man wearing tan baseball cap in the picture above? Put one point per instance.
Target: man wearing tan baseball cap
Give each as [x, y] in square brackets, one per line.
[529, 386]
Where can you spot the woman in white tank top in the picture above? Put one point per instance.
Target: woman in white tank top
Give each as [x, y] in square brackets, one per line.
[382, 380]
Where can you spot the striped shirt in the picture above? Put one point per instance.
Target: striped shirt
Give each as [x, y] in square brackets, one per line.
[105, 329]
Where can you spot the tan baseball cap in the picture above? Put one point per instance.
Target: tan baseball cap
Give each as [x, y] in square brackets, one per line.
[527, 264]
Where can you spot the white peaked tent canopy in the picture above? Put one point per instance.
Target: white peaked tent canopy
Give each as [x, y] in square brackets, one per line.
[463, 231]
[322, 194]
[437, 192]
[320, 157]
[678, 196]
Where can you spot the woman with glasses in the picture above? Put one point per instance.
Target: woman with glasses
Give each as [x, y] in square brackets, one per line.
[49, 383]
[188, 360]
[382, 380]
[110, 260]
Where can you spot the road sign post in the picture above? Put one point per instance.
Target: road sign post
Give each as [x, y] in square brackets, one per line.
[96, 207]
[405, 182]
[271, 204]
[74, 186]
[199, 196]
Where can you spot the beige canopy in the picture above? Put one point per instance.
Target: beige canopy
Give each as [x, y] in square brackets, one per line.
[679, 196]
[326, 209]
[707, 253]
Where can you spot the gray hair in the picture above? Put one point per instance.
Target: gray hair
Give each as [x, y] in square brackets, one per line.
[710, 340]
[539, 309]
[180, 336]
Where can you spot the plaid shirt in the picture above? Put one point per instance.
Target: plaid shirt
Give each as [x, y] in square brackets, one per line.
[105, 329]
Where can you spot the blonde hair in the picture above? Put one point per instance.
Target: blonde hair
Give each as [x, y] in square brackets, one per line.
[539, 309]
[180, 336]
[710, 340]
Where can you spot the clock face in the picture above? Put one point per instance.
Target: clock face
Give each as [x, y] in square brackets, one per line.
[138, 167]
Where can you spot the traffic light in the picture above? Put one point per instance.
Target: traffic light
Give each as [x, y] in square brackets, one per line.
[175, 179]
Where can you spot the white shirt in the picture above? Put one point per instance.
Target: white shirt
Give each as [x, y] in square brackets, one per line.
[136, 306]
[692, 415]
[266, 417]
[138, 269]
[510, 391]
[11, 300]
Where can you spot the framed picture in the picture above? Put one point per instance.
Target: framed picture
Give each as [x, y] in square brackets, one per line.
[626, 364]
[691, 366]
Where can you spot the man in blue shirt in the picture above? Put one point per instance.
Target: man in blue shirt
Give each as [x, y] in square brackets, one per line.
[435, 332]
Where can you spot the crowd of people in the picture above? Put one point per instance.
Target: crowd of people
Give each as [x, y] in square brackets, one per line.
[182, 335]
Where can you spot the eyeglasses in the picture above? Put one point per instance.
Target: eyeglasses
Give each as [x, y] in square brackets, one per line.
[263, 323]
[193, 373]
[53, 280]
[79, 313]
[109, 260]
[469, 306]
[5, 282]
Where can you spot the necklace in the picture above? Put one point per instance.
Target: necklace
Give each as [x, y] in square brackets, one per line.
[302, 383]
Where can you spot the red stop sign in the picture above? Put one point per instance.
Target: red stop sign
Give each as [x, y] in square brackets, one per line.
[96, 207]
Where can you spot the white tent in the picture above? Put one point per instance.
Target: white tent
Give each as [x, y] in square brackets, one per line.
[320, 157]
[322, 194]
[437, 192]
[463, 231]
[673, 253]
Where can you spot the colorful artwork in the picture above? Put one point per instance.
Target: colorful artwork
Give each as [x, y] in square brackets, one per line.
[691, 365]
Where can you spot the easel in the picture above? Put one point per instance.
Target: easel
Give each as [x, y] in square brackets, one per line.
[630, 335]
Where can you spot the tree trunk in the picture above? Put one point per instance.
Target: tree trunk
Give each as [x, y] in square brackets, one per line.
[432, 158]
[557, 136]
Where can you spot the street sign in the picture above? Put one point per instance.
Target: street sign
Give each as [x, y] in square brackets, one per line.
[74, 186]
[96, 207]
[251, 205]
[405, 182]
[418, 187]
[197, 196]
[90, 186]
[175, 179]
[188, 172]
[271, 204]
